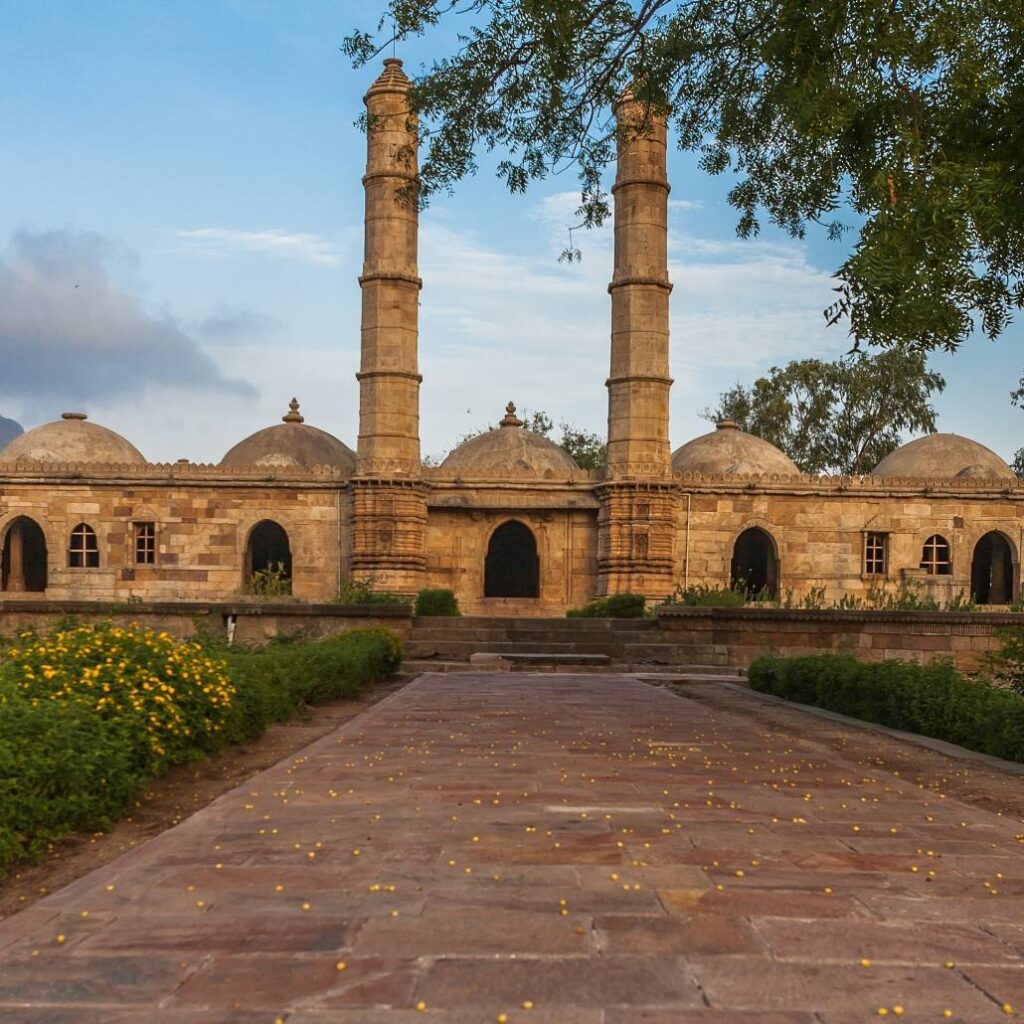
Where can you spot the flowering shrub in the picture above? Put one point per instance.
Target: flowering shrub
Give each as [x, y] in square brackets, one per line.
[89, 714]
[175, 695]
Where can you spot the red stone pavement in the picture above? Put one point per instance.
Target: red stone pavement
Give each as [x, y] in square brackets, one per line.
[557, 850]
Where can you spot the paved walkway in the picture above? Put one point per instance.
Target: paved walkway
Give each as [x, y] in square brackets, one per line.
[548, 849]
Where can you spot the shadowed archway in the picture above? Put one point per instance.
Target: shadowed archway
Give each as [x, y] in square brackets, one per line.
[23, 563]
[754, 565]
[268, 558]
[512, 567]
[992, 570]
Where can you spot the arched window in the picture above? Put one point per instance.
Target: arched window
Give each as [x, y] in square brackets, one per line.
[268, 559]
[992, 570]
[935, 559]
[84, 548]
[512, 568]
[754, 565]
[23, 563]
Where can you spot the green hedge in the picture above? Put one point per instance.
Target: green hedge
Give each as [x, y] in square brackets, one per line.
[89, 715]
[436, 601]
[618, 606]
[932, 700]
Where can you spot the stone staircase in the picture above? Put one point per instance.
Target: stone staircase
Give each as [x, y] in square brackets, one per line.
[636, 646]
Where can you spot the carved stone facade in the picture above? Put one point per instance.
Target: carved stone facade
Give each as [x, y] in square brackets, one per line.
[508, 521]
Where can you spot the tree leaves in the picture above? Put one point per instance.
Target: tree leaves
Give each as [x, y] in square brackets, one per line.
[905, 115]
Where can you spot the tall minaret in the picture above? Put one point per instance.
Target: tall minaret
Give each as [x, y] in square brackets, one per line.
[639, 383]
[389, 379]
[637, 519]
[389, 500]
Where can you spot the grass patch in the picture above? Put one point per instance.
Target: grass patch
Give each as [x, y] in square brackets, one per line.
[932, 700]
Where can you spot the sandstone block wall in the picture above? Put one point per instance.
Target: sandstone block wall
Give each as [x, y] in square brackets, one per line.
[748, 633]
[201, 536]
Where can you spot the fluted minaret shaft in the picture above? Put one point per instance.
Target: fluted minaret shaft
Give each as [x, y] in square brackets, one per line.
[639, 382]
[389, 379]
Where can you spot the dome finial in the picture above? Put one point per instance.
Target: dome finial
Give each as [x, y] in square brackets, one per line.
[73, 416]
[511, 419]
[293, 415]
[727, 423]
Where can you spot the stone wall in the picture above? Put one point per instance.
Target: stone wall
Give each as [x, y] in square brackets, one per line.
[255, 621]
[747, 633]
[818, 529]
[202, 529]
[457, 541]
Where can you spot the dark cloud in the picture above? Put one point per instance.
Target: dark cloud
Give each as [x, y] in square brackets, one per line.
[235, 326]
[9, 430]
[69, 329]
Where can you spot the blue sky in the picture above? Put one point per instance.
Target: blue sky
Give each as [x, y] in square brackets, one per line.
[194, 169]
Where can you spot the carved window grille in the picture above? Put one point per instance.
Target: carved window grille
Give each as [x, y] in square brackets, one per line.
[145, 543]
[84, 549]
[935, 559]
[640, 545]
[876, 554]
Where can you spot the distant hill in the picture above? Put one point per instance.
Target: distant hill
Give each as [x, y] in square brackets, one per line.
[9, 430]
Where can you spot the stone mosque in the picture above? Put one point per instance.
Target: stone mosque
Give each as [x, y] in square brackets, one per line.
[508, 521]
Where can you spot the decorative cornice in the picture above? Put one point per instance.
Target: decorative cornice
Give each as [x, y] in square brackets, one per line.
[649, 282]
[390, 275]
[660, 183]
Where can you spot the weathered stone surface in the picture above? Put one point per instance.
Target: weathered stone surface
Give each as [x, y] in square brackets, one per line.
[480, 841]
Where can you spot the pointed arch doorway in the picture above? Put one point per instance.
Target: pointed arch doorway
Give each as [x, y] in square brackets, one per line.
[512, 566]
[23, 564]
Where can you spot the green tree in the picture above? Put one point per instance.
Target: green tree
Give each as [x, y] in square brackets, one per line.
[902, 120]
[1017, 397]
[837, 417]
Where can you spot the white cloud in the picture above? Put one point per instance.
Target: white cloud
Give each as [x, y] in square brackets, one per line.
[296, 245]
[498, 325]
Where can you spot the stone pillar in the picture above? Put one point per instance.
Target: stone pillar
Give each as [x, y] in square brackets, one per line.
[637, 519]
[16, 559]
[389, 500]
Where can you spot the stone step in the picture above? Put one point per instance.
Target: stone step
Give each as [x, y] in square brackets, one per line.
[458, 649]
[659, 674]
[674, 654]
[456, 623]
[511, 661]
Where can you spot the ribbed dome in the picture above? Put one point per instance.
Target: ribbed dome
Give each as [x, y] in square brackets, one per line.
[391, 79]
[291, 443]
[729, 450]
[944, 456]
[510, 450]
[72, 439]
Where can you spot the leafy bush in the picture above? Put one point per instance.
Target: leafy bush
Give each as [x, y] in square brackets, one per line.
[365, 592]
[618, 606]
[438, 601]
[174, 695]
[88, 715]
[1007, 663]
[703, 596]
[933, 700]
[273, 581]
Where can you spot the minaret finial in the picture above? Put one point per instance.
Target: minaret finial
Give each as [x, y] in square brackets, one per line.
[293, 415]
[511, 419]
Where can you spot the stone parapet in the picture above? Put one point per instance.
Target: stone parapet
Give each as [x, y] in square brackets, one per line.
[254, 621]
[748, 633]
